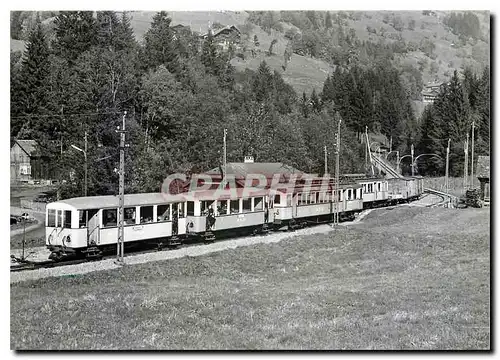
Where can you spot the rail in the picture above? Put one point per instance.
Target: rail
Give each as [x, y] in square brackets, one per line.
[447, 199]
[385, 167]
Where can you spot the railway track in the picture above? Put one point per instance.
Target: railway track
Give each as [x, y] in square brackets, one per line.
[445, 198]
[36, 265]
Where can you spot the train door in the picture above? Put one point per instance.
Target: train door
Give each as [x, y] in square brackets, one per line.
[93, 229]
[181, 217]
[270, 209]
[295, 200]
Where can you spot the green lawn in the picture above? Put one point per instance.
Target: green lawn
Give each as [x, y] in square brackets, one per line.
[408, 278]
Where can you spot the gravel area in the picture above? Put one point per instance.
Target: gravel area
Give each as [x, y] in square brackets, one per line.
[202, 249]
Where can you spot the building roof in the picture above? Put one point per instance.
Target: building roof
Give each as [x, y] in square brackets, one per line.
[224, 29]
[241, 170]
[28, 146]
[483, 167]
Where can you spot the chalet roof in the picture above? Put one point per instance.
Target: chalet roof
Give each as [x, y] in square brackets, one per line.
[224, 29]
[241, 170]
[28, 146]
[483, 167]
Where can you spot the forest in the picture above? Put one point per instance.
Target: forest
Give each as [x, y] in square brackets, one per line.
[180, 92]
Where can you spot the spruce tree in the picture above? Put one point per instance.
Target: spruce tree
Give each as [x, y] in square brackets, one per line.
[75, 33]
[31, 89]
[159, 47]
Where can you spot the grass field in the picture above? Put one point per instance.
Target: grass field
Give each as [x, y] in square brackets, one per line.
[411, 278]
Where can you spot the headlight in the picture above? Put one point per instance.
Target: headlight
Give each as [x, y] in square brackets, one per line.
[68, 239]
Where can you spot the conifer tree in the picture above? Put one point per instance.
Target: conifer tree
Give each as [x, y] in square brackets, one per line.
[75, 33]
[159, 47]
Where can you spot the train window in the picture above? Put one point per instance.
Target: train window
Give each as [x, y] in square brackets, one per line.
[318, 198]
[299, 199]
[355, 193]
[162, 213]
[234, 206]
[51, 220]
[378, 186]
[258, 204]
[85, 215]
[129, 216]
[146, 214]
[180, 209]
[370, 187]
[190, 208]
[349, 194]
[109, 217]
[247, 205]
[222, 207]
[289, 199]
[67, 219]
[59, 218]
[277, 199]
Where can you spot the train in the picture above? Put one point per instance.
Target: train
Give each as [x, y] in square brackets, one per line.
[88, 226]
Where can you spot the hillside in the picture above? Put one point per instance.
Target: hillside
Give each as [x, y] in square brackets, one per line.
[432, 48]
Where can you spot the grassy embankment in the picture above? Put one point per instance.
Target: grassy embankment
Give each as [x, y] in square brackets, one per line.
[413, 278]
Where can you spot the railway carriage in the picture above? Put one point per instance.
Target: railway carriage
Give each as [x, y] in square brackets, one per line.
[210, 212]
[88, 225]
[315, 203]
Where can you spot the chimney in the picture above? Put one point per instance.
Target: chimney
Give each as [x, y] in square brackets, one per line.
[248, 159]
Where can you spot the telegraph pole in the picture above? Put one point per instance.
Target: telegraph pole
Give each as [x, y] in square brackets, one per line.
[337, 172]
[121, 242]
[86, 164]
[412, 165]
[326, 161]
[447, 166]
[225, 160]
[366, 148]
[466, 151]
[472, 159]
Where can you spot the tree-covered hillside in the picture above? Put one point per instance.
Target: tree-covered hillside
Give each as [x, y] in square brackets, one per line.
[81, 70]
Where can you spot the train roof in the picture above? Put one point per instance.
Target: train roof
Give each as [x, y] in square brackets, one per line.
[111, 201]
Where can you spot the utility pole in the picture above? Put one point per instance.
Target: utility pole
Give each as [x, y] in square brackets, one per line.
[86, 163]
[397, 161]
[336, 186]
[390, 145]
[225, 160]
[366, 149]
[326, 161]
[412, 164]
[466, 172]
[337, 172]
[447, 166]
[472, 160]
[121, 242]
